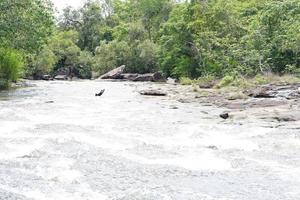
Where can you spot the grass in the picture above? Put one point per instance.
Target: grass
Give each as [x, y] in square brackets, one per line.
[186, 81]
[198, 81]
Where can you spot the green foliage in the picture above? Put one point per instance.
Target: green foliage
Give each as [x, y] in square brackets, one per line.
[144, 58]
[181, 38]
[138, 58]
[84, 65]
[25, 24]
[11, 64]
[219, 37]
[42, 63]
[62, 52]
[110, 55]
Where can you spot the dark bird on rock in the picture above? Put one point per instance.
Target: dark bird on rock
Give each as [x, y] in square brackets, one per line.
[100, 93]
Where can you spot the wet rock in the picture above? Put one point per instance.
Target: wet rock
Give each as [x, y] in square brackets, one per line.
[153, 93]
[293, 95]
[284, 119]
[263, 92]
[46, 77]
[183, 101]
[61, 77]
[224, 115]
[213, 147]
[171, 80]
[114, 74]
[150, 77]
[158, 77]
[174, 107]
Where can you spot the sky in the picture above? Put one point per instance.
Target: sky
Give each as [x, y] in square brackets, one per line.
[60, 4]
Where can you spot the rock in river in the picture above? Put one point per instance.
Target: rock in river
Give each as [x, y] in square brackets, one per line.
[224, 115]
[61, 77]
[153, 93]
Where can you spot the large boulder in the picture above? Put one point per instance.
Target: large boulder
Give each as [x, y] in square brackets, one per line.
[154, 77]
[262, 92]
[129, 76]
[158, 77]
[114, 74]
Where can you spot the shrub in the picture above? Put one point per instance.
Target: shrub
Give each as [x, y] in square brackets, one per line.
[226, 81]
[85, 65]
[11, 64]
[234, 81]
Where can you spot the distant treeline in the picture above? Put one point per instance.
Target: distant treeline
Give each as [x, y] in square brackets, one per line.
[182, 39]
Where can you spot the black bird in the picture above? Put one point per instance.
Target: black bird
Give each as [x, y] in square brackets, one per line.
[100, 93]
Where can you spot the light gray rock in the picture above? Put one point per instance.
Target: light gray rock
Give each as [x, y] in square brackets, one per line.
[61, 77]
[114, 74]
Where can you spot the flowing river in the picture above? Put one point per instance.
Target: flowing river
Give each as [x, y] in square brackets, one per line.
[60, 142]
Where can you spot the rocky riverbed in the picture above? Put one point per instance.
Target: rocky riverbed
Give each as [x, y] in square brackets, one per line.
[59, 141]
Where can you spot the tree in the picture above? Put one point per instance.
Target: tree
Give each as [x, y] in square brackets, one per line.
[25, 24]
[70, 19]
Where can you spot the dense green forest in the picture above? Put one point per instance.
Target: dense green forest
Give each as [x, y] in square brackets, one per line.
[180, 38]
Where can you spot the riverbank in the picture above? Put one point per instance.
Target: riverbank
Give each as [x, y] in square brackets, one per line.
[275, 102]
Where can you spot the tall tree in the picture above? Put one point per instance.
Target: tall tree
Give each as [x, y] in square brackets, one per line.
[25, 24]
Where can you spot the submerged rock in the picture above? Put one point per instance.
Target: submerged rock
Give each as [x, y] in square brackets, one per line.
[224, 115]
[46, 77]
[171, 80]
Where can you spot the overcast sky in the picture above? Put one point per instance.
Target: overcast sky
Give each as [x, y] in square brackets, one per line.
[60, 4]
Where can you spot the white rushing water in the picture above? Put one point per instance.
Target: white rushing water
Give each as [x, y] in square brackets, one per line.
[60, 142]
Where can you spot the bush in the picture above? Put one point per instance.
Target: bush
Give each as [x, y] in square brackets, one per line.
[11, 64]
[42, 63]
[85, 65]
[144, 58]
[111, 55]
